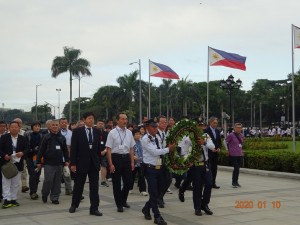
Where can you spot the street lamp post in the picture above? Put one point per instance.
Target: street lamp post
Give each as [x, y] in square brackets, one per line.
[36, 87]
[58, 92]
[140, 88]
[52, 106]
[2, 110]
[230, 85]
[79, 79]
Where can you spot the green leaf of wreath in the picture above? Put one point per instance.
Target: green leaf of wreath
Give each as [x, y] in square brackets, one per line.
[173, 161]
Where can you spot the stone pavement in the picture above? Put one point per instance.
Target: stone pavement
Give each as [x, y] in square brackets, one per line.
[262, 200]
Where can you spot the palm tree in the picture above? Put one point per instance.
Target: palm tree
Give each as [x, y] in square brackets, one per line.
[165, 88]
[70, 62]
[186, 92]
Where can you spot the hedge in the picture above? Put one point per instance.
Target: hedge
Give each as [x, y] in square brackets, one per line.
[283, 161]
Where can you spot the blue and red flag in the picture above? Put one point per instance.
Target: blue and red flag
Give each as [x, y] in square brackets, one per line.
[221, 58]
[163, 71]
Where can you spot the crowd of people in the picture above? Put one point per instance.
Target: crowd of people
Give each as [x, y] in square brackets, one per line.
[102, 150]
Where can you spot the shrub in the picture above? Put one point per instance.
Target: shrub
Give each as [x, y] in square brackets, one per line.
[283, 161]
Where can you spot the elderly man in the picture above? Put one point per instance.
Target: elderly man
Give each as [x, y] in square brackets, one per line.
[214, 133]
[53, 149]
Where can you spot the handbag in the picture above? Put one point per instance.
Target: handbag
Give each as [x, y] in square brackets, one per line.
[9, 170]
[66, 171]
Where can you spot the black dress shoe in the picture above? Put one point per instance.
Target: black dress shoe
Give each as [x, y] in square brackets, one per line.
[146, 213]
[55, 202]
[72, 209]
[206, 209]
[160, 221]
[44, 199]
[215, 186]
[126, 205]
[181, 196]
[96, 213]
[198, 212]
[120, 209]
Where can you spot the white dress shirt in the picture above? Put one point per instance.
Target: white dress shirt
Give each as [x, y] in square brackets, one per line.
[120, 140]
[67, 134]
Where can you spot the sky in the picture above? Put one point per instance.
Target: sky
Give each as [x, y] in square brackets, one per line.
[114, 33]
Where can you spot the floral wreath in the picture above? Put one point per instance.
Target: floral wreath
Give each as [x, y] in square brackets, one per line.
[173, 161]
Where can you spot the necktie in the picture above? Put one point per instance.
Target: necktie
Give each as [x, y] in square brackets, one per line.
[157, 144]
[90, 136]
[163, 136]
[158, 147]
[214, 133]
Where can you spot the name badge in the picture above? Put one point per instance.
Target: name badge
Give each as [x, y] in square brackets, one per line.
[121, 147]
[240, 145]
[57, 146]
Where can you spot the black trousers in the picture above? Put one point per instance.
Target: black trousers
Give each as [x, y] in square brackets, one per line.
[187, 181]
[123, 171]
[34, 177]
[202, 185]
[79, 181]
[213, 162]
[236, 162]
[166, 182]
[141, 179]
[154, 179]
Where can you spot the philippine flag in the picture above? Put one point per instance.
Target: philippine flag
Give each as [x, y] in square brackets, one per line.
[221, 58]
[296, 37]
[163, 71]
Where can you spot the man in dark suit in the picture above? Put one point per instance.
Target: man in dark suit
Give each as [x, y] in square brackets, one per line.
[85, 148]
[214, 133]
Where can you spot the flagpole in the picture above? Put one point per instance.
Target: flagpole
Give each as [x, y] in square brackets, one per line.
[293, 91]
[149, 97]
[207, 89]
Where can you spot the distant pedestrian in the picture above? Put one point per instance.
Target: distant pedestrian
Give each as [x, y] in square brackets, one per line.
[235, 142]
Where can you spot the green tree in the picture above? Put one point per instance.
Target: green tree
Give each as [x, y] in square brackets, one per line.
[72, 63]
[186, 91]
[128, 93]
[105, 101]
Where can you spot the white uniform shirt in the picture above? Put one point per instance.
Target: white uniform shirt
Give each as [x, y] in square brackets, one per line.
[120, 140]
[151, 154]
[208, 146]
[185, 145]
[67, 134]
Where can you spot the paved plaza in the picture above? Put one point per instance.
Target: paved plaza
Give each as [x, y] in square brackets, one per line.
[262, 200]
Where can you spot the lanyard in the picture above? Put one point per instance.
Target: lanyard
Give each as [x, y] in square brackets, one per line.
[122, 141]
